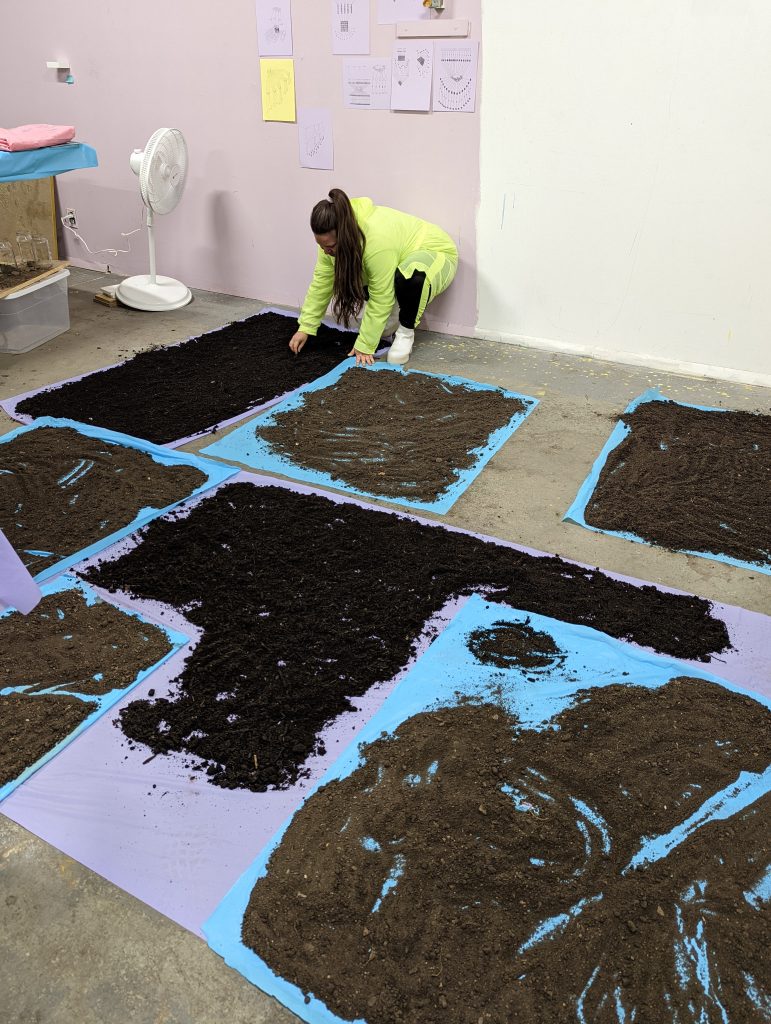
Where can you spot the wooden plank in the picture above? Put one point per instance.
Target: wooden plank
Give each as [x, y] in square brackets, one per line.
[29, 207]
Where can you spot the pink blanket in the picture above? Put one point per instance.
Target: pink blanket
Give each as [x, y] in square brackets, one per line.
[17, 587]
[35, 136]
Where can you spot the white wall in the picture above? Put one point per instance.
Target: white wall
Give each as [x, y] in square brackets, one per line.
[626, 180]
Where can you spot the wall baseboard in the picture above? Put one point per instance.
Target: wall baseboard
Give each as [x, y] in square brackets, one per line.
[685, 369]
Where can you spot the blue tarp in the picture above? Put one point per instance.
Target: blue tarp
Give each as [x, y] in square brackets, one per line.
[245, 445]
[46, 162]
[449, 672]
[101, 703]
[214, 473]
[577, 511]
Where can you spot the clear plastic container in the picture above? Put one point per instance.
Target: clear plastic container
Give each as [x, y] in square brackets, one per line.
[34, 315]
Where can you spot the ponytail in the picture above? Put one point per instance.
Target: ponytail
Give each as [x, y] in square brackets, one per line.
[336, 214]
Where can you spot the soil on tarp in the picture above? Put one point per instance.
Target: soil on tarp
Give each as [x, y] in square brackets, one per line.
[690, 480]
[31, 726]
[305, 602]
[71, 645]
[471, 871]
[514, 645]
[395, 435]
[61, 491]
[172, 392]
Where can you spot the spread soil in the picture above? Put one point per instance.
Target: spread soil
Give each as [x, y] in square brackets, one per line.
[61, 491]
[423, 433]
[31, 726]
[470, 871]
[514, 645]
[690, 480]
[172, 392]
[68, 644]
[305, 603]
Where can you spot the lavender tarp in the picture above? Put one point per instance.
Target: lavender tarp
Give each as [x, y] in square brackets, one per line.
[162, 833]
[17, 587]
[9, 405]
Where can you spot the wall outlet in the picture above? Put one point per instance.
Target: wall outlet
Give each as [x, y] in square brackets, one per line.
[70, 218]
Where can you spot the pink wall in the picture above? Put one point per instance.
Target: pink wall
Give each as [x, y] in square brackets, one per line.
[193, 64]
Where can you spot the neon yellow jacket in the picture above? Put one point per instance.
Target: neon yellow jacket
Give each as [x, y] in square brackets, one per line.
[390, 238]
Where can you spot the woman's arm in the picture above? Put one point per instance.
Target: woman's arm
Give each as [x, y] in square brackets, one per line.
[380, 271]
[319, 294]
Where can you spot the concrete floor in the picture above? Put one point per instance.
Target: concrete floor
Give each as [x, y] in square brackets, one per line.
[74, 949]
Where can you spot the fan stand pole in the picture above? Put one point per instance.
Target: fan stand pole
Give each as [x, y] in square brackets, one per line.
[151, 242]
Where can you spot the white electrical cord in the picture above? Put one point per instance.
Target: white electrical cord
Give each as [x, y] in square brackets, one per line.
[96, 252]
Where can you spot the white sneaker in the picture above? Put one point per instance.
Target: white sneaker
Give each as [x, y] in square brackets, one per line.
[400, 351]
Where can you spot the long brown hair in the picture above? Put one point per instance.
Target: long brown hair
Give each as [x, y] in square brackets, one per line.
[336, 214]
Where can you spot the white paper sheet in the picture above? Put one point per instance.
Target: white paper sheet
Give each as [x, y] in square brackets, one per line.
[455, 76]
[367, 83]
[391, 11]
[412, 71]
[314, 130]
[350, 26]
[274, 28]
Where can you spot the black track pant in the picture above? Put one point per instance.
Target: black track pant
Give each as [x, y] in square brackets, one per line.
[408, 292]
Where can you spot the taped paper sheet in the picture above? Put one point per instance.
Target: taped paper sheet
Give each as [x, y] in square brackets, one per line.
[455, 77]
[389, 12]
[274, 28]
[350, 26]
[412, 70]
[367, 84]
[277, 79]
[314, 130]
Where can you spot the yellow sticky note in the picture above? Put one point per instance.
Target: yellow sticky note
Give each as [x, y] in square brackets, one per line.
[277, 79]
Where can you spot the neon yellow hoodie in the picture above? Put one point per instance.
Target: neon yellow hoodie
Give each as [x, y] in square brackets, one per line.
[390, 238]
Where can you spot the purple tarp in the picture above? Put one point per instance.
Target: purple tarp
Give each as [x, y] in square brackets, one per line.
[164, 834]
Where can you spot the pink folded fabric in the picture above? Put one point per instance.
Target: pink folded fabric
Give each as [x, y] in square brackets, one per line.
[35, 136]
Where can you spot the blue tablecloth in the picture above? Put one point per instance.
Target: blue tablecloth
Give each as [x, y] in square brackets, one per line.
[43, 163]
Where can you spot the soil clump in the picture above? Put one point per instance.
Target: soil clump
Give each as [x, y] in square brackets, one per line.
[305, 603]
[31, 726]
[690, 480]
[514, 645]
[68, 644]
[171, 392]
[395, 435]
[472, 871]
[61, 491]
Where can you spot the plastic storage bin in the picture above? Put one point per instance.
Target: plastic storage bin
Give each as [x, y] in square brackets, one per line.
[35, 314]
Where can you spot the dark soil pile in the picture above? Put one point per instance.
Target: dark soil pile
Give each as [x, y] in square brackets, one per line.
[66, 643]
[169, 393]
[305, 602]
[514, 645]
[31, 726]
[418, 888]
[396, 435]
[690, 480]
[61, 491]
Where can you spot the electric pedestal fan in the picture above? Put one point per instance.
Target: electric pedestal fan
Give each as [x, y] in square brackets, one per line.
[162, 169]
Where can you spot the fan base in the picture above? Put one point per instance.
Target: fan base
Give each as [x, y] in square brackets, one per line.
[163, 294]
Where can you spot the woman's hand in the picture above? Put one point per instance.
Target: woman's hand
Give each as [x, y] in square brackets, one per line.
[297, 342]
[362, 358]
